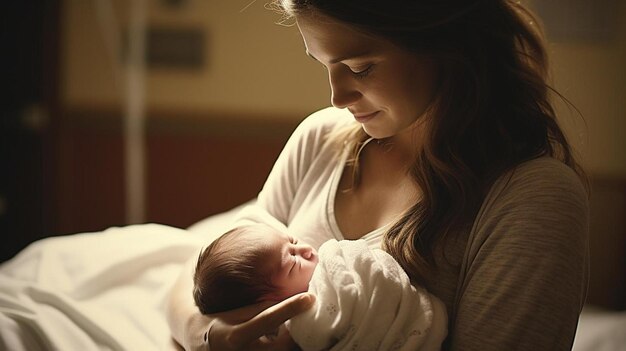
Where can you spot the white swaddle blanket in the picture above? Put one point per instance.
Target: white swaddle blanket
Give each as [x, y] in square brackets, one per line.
[365, 301]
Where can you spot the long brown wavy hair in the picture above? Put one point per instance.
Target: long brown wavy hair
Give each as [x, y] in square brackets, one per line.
[492, 110]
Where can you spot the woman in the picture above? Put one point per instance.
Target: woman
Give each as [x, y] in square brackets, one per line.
[456, 166]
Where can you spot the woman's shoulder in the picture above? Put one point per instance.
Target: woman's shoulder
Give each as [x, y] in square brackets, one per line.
[311, 134]
[541, 174]
[540, 184]
[307, 144]
[325, 120]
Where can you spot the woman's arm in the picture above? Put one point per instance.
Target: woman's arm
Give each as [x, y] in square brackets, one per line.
[524, 280]
[241, 329]
[183, 317]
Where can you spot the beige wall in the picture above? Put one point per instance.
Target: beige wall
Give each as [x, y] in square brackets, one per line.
[257, 66]
[253, 64]
[592, 75]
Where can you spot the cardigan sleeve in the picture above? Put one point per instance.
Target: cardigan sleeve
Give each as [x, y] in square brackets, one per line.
[525, 271]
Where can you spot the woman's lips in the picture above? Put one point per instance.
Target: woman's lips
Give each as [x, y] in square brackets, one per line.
[364, 117]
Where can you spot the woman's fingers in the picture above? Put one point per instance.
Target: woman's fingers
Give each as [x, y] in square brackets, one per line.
[243, 314]
[268, 320]
[245, 328]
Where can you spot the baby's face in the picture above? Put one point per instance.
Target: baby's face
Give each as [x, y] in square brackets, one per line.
[291, 262]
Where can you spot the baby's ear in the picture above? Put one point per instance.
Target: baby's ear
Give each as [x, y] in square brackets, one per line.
[273, 296]
[270, 297]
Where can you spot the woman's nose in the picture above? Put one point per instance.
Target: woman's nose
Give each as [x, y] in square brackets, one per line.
[343, 93]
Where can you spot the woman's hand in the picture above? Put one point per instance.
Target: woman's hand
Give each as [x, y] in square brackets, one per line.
[246, 328]
[240, 329]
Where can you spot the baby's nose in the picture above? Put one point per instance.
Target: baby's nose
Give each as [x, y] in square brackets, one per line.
[306, 251]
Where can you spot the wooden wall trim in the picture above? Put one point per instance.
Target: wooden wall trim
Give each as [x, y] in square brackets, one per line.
[243, 124]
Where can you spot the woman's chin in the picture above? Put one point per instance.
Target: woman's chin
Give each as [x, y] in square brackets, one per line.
[375, 132]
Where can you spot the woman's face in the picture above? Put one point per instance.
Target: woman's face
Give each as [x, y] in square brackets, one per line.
[385, 87]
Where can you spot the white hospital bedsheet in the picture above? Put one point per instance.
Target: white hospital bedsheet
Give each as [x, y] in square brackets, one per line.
[94, 291]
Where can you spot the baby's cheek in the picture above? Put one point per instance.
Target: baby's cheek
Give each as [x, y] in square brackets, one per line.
[309, 276]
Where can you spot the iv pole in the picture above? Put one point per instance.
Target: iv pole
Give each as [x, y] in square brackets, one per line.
[134, 123]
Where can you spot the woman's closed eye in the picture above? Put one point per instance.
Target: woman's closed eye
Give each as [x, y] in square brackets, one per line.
[361, 72]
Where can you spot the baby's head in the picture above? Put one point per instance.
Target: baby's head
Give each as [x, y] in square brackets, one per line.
[250, 264]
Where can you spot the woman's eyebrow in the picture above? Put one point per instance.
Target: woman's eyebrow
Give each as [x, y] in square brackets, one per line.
[342, 58]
